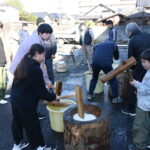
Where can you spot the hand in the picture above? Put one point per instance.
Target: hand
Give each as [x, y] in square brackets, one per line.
[53, 56]
[133, 82]
[56, 102]
[50, 85]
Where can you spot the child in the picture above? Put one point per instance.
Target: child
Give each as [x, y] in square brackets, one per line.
[27, 89]
[141, 127]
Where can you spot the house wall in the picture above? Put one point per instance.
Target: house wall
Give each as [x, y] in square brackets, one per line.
[9, 14]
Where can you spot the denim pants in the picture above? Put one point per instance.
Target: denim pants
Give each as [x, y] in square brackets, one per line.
[113, 82]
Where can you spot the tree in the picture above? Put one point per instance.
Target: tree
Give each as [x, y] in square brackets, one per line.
[23, 15]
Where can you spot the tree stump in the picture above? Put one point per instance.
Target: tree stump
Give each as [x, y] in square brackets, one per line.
[123, 86]
[89, 135]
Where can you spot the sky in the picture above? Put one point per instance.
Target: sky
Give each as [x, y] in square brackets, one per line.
[67, 6]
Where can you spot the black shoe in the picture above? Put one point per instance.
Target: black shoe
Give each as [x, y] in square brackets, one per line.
[127, 112]
[41, 116]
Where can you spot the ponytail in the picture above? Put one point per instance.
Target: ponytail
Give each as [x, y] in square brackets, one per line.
[21, 71]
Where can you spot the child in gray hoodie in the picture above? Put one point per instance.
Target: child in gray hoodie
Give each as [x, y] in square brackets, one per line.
[141, 126]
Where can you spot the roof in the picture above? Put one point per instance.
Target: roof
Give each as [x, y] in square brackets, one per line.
[41, 14]
[103, 19]
[142, 3]
[139, 14]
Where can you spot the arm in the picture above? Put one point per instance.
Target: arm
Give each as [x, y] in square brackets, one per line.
[142, 88]
[54, 44]
[130, 49]
[114, 35]
[116, 53]
[92, 36]
[37, 82]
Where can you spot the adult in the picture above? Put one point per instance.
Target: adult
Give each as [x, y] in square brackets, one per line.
[23, 33]
[2, 68]
[44, 33]
[51, 49]
[112, 31]
[102, 60]
[86, 41]
[137, 44]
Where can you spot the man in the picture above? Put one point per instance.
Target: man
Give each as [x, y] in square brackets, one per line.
[51, 49]
[112, 32]
[44, 33]
[86, 41]
[23, 33]
[2, 68]
[137, 44]
[102, 60]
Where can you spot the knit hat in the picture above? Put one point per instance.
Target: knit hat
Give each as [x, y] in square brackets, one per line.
[39, 20]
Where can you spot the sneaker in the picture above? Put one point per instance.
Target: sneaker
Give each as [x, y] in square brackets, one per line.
[127, 112]
[148, 146]
[20, 146]
[45, 148]
[41, 116]
[7, 96]
[90, 96]
[2, 101]
[133, 147]
[117, 100]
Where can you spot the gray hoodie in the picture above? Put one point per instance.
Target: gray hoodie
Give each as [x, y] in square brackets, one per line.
[143, 92]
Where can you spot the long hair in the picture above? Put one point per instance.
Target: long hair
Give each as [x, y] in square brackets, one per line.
[21, 71]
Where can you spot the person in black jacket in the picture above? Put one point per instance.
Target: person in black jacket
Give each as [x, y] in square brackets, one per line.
[86, 41]
[137, 44]
[2, 69]
[27, 89]
[102, 60]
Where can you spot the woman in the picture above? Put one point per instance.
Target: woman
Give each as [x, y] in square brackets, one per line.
[27, 89]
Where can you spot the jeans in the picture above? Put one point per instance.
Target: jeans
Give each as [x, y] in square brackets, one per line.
[113, 82]
[49, 66]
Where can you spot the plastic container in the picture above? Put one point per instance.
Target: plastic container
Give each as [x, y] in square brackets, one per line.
[61, 66]
[99, 87]
[56, 116]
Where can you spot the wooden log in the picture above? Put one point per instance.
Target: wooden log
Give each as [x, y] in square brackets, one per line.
[124, 66]
[91, 135]
[79, 98]
[58, 88]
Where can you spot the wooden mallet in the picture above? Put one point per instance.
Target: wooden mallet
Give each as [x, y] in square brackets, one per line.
[79, 98]
[124, 66]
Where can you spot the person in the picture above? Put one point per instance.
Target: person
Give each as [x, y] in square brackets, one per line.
[112, 31]
[86, 41]
[2, 69]
[23, 33]
[102, 60]
[141, 126]
[51, 49]
[27, 89]
[44, 33]
[138, 43]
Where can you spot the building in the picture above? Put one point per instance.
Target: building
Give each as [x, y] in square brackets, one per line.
[8, 13]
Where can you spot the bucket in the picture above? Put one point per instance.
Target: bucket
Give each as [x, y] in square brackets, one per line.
[56, 116]
[61, 66]
[99, 87]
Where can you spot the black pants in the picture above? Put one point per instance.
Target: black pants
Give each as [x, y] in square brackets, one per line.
[27, 120]
[113, 82]
[131, 102]
[49, 66]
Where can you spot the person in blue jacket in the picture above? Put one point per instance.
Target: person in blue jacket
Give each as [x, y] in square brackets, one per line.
[27, 89]
[102, 60]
